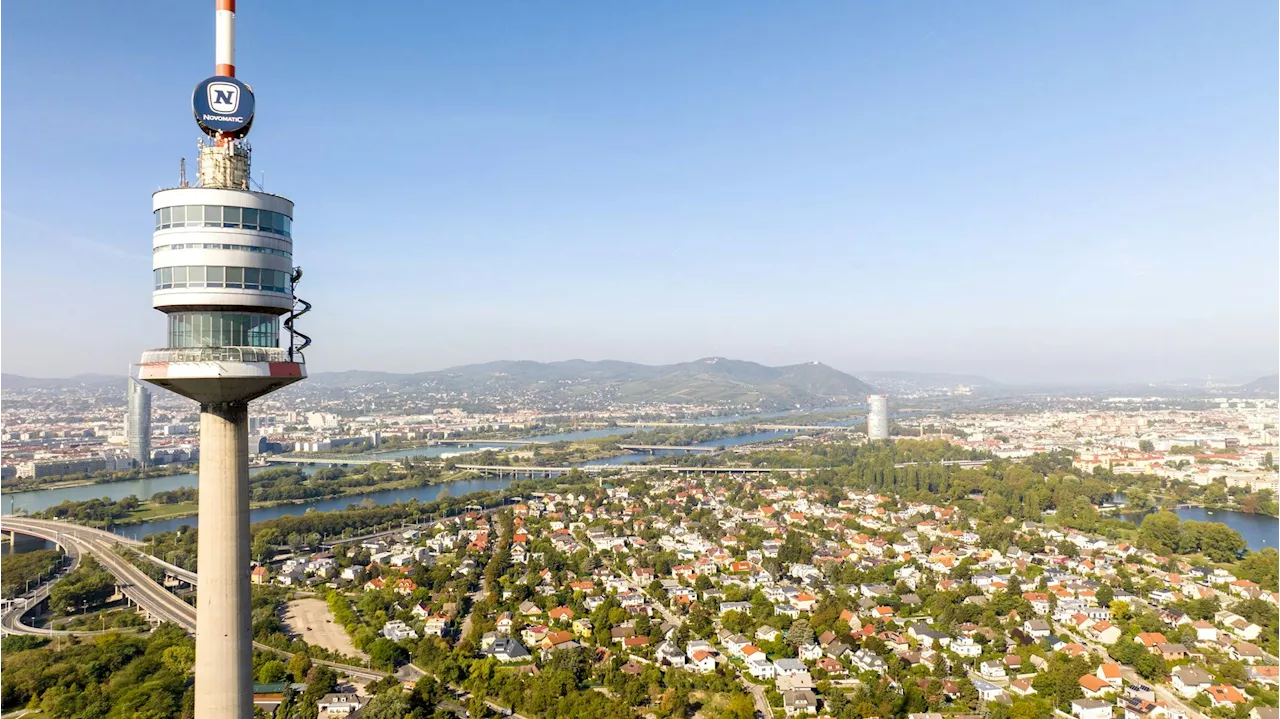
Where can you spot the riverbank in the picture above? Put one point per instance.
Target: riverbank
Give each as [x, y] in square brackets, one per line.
[455, 488]
[1258, 530]
[17, 486]
[148, 512]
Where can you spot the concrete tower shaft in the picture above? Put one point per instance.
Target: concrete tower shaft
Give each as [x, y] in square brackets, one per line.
[224, 639]
[223, 275]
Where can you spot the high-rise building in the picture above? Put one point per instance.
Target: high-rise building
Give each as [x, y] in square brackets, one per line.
[224, 277]
[878, 416]
[137, 423]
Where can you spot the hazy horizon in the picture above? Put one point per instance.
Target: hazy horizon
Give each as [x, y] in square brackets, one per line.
[1238, 379]
[1033, 193]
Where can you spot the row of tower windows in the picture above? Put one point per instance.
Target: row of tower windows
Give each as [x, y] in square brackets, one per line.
[223, 246]
[223, 329]
[236, 278]
[245, 218]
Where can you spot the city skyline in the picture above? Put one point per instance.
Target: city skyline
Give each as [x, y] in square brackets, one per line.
[894, 188]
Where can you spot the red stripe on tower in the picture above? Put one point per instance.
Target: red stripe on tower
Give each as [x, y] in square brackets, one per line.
[225, 38]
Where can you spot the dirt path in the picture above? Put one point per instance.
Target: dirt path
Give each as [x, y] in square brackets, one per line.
[310, 620]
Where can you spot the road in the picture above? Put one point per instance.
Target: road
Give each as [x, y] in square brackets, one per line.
[152, 598]
[1162, 691]
[11, 619]
[757, 695]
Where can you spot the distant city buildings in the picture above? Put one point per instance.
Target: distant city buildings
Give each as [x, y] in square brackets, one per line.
[57, 467]
[322, 420]
[138, 423]
[878, 417]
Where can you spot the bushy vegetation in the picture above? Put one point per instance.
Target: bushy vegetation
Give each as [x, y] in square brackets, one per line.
[17, 570]
[101, 512]
[1165, 533]
[87, 586]
[115, 676]
[175, 496]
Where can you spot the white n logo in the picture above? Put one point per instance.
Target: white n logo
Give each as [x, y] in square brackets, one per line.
[224, 97]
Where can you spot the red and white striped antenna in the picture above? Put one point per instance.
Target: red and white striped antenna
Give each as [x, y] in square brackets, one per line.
[225, 38]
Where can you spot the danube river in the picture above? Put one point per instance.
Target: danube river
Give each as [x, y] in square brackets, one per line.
[32, 502]
[39, 500]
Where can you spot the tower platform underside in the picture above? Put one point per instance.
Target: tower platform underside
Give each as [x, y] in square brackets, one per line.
[220, 374]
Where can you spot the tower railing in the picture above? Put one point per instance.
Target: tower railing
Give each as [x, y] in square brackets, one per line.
[216, 354]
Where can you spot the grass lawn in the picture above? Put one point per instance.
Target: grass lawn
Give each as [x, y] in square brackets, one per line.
[148, 510]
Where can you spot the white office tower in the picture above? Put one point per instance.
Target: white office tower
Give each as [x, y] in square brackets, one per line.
[878, 416]
[137, 423]
[224, 277]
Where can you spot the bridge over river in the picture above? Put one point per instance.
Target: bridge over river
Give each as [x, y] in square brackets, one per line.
[542, 472]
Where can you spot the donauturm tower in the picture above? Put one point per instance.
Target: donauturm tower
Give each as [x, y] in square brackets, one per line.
[224, 276]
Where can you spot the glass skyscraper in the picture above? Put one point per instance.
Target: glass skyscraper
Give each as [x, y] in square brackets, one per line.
[138, 423]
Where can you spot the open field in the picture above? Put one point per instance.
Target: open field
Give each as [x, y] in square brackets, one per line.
[310, 620]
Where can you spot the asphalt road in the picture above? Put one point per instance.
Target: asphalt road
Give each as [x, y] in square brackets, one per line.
[154, 599]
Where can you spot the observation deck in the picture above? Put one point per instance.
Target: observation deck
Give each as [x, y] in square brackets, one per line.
[221, 374]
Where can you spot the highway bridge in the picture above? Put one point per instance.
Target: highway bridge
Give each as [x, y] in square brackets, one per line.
[104, 536]
[543, 472]
[652, 448]
[752, 425]
[344, 462]
[154, 600]
[482, 442]
[14, 610]
[962, 463]
[157, 603]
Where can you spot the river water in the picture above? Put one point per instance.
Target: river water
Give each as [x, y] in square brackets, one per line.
[36, 501]
[637, 457]
[31, 502]
[22, 544]
[390, 496]
[1258, 530]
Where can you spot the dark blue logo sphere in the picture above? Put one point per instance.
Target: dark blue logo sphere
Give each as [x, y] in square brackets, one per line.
[223, 106]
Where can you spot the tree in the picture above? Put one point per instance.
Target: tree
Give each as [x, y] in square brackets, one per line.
[1121, 610]
[1219, 542]
[700, 622]
[674, 703]
[800, 633]
[179, 658]
[1030, 708]
[1105, 595]
[795, 549]
[1061, 680]
[1146, 445]
[736, 621]
[386, 654]
[264, 543]
[1160, 532]
[1215, 494]
[1261, 567]
[390, 704]
[89, 584]
[272, 672]
[299, 665]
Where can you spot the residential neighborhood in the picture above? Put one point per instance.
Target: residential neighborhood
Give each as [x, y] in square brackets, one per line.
[812, 601]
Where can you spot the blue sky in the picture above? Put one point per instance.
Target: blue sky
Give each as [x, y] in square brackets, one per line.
[1031, 191]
